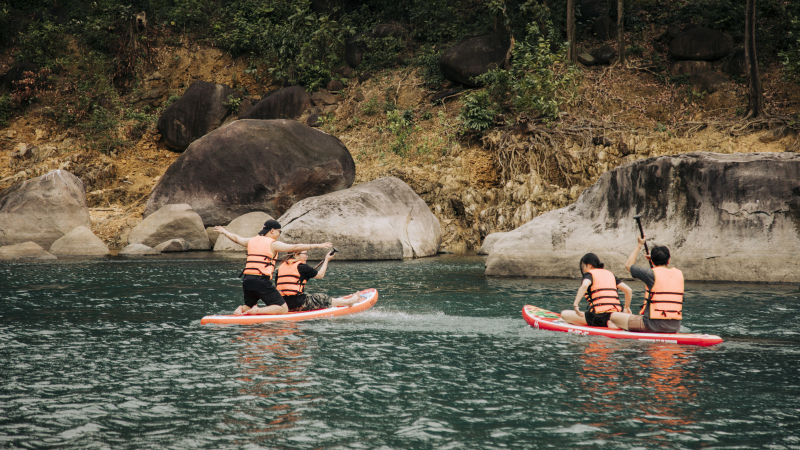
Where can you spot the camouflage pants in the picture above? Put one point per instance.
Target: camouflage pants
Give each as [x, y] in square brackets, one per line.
[316, 301]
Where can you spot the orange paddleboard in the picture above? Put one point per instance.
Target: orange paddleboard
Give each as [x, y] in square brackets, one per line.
[368, 298]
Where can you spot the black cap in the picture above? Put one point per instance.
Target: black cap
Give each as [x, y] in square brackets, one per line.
[271, 224]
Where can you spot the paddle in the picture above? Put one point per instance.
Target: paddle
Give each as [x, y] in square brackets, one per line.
[323, 259]
[638, 219]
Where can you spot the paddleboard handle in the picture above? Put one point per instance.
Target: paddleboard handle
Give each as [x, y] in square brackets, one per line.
[333, 251]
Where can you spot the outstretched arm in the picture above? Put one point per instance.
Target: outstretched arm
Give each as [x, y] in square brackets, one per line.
[321, 272]
[233, 237]
[581, 293]
[279, 246]
[635, 254]
[628, 293]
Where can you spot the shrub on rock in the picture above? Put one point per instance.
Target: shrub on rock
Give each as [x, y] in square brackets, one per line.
[381, 219]
[254, 165]
[43, 209]
[200, 110]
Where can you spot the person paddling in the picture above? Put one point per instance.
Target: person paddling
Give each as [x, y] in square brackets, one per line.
[599, 287]
[293, 275]
[662, 310]
[261, 252]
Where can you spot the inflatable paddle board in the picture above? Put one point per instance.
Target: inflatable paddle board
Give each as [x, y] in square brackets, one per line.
[367, 298]
[547, 320]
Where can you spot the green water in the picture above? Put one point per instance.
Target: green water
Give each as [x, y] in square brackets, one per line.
[110, 353]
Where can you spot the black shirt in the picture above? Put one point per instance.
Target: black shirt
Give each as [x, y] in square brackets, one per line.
[306, 272]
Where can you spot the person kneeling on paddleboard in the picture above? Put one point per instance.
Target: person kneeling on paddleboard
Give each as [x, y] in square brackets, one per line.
[293, 275]
[261, 252]
[599, 287]
[663, 305]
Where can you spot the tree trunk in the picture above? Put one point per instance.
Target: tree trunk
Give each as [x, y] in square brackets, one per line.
[620, 32]
[755, 107]
[573, 45]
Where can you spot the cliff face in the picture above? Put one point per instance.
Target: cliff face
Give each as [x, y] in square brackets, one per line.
[724, 218]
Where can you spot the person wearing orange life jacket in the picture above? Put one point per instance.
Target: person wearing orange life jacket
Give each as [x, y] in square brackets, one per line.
[291, 281]
[599, 287]
[662, 310]
[261, 254]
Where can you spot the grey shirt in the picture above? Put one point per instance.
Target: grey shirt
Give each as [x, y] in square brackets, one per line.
[647, 275]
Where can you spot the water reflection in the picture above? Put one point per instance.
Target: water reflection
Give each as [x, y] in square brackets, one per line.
[274, 361]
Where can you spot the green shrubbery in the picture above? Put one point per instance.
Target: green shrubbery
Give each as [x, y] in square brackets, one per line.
[6, 109]
[790, 58]
[42, 43]
[538, 82]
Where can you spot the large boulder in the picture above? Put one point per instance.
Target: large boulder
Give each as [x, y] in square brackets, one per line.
[201, 109]
[254, 165]
[25, 250]
[382, 219]
[287, 103]
[701, 44]
[43, 209]
[723, 217]
[247, 225]
[79, 242]
[171, 222]
[474, 56]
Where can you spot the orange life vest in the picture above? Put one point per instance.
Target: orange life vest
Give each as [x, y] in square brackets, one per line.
[288, 281]
[260, 260]
[602, 294]
[666, 297]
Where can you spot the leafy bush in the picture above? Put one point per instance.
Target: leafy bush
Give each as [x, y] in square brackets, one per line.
[6, 110]
[43, 43]
[790, 58]
[101, 129]
[539, 81]
[371, 106]
[427, 58]
[478, 112]
[381, 53]
[299, 45]
[401, 124]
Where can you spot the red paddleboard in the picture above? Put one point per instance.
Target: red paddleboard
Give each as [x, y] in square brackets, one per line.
[547, 320]
[368, 298]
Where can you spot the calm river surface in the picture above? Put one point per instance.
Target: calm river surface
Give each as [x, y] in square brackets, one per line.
[110, 353]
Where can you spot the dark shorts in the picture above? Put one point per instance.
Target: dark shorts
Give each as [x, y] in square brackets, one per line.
[257, 288]
[308, 302]
[597, 320]
[639, 324]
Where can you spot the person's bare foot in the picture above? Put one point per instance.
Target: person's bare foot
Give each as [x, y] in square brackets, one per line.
[238, 311]
[351, 299]
[251, 312]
